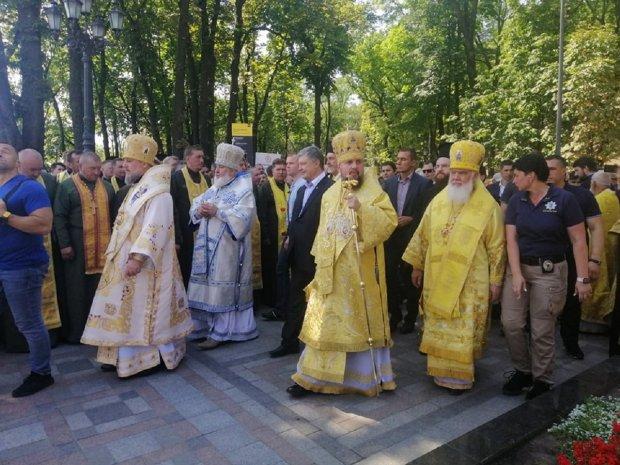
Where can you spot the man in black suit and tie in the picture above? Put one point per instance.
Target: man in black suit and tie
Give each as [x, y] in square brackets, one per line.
[497, 188]
[302, 228]
[405, 191]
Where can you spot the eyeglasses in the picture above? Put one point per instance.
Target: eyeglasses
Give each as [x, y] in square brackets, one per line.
[427, 171]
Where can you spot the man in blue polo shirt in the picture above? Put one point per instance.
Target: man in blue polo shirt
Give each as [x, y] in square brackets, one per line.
[571, 315]
[25, 217]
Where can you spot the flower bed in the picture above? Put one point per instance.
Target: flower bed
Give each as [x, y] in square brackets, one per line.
[590, 435]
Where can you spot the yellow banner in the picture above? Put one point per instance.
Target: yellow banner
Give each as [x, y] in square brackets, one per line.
[241, 129]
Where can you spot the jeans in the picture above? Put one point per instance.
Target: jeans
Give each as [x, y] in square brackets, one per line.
[22, 289]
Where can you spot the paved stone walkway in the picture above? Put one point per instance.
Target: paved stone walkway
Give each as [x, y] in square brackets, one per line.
[229, 406]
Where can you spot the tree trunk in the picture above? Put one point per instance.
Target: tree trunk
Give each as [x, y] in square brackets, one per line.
[318, 93]
[328, 126]
[142, 54]
[9, 132]
[233, 100]
[208, 63]
[466, 12]
[153, 114]
[178, 104]
[34, 87]
[245, 107]
[133, 115]
[261, 106]
[103, 78]
[76, 87]
[61, 126]
[115, 134]
[193, 85]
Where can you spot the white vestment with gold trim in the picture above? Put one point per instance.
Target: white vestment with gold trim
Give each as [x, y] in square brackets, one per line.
[135, 321]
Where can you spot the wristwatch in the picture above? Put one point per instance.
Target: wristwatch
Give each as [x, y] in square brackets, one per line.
[4, 218]
[594, 260]
[583, 280]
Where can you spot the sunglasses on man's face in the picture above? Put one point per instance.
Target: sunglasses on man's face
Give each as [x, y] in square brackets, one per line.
[427, 171]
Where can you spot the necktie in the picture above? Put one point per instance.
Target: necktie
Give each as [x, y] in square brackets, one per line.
[298, 203]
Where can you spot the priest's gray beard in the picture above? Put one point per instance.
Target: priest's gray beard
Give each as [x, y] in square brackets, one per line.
[460, 194]
[220, 181]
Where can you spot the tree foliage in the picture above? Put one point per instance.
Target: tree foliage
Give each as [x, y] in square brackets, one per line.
[413, 72]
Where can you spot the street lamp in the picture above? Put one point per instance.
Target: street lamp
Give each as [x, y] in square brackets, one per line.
[53, 16]
[116, 17]
[89, 43]
[73, 8]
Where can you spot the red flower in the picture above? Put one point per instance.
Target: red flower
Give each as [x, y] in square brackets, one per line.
[563, 460]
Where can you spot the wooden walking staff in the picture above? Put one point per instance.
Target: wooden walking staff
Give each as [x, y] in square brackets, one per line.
[348, 185]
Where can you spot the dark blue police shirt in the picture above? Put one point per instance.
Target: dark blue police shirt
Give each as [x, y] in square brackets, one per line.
[20, 250]
[586, 200]
[541, 229]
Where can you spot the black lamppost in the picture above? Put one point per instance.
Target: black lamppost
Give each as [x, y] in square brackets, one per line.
[89, 42]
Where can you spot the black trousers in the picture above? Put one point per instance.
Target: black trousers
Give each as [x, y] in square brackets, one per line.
[296, 308]
[571, 315]
[400, 287]
[283, 282]
[269, 260]
[186, 255]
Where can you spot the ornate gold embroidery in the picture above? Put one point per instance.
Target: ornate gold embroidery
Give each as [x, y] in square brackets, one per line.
[122, 323]
[109, 309]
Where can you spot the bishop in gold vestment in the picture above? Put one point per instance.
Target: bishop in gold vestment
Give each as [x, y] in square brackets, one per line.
[139, 314]
[341, 316]
[459, 247]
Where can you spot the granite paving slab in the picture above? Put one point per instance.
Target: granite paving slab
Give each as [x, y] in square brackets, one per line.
[229, 406]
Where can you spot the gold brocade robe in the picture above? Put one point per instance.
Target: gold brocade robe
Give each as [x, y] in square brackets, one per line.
[335, 318]
[150, 308]
[601, 304]
[460, 256]
[49, 299]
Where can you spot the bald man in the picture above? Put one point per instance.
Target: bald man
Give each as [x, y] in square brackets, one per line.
[25, 217]
[30, 164]
[82, 223]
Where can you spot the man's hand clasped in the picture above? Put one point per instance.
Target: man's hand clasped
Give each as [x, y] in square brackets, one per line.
[207, 210]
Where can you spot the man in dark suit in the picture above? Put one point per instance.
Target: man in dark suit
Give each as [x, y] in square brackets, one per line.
[405, 191]
[302, 228]
[497, 188]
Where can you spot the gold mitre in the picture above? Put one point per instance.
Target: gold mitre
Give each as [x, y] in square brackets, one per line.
[140, 147]
[466, 155]
[349, 145]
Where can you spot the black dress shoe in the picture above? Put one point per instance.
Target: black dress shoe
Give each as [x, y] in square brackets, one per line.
[538, 388]
[575, 351]
[271, 315]
[516, 382]
[33, 383]
[407, 327]
[455, 392]
[106, 367]
[282, 351]
[297, 391]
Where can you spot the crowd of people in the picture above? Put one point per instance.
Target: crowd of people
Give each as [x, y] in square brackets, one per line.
[138, 258]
